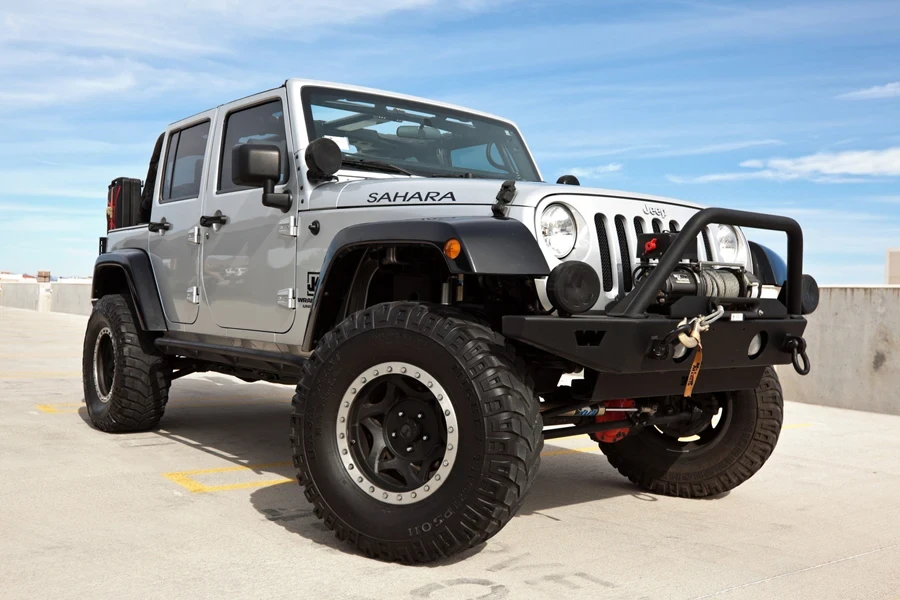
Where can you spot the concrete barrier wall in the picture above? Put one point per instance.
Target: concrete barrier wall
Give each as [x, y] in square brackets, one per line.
[854, 348]
[21, 295]
[74, 298]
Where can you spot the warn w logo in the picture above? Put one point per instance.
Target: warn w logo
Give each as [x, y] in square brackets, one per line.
[589, 337]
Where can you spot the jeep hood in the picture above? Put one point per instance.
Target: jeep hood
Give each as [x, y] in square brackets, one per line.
[456, 191]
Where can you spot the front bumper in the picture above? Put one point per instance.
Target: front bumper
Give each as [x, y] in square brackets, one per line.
[620, 344]
[620, 350]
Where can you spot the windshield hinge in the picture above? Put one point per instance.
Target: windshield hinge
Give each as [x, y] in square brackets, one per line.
[504, 197]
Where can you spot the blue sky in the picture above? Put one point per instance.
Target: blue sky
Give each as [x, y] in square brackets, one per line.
[788, 107]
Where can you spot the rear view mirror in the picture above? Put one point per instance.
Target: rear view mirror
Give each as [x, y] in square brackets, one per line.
[422, 132]
[259, 165]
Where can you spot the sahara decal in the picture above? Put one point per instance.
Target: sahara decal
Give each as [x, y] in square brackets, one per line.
[411, 197]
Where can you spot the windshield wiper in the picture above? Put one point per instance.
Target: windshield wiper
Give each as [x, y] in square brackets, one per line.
[375, 165]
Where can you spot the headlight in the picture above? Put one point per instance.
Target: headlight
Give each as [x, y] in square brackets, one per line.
[558, 229]
[727, 240]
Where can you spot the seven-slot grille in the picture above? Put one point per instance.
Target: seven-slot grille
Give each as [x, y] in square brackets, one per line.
[619, 252]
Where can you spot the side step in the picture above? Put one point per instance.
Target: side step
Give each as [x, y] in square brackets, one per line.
[245, 359]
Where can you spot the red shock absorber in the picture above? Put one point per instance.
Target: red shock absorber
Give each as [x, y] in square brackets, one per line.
[613, 435]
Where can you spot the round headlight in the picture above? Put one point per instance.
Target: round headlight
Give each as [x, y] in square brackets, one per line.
[558, 229]
[727, 240]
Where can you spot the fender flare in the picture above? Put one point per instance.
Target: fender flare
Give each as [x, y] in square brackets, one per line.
[134, 264]
[489, 246]
[768, 266]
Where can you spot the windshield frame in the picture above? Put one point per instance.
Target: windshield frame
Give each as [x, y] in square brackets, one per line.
[424, 107]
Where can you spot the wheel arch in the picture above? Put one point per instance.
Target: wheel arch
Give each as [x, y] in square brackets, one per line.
[128, 271]
[488, 246]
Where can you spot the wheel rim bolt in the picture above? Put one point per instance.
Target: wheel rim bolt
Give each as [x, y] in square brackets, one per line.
[409, 448]
[419, 416]
[437, 477]
[447, 413]
[446, 463]
[424, 438]
[393, 434]
[400, 414]
[449, 446]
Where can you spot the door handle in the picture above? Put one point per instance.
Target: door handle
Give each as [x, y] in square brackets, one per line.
[207, 220]
[161, 226]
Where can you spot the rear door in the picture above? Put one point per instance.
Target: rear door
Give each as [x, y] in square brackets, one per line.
[249, 261]
[175, 245]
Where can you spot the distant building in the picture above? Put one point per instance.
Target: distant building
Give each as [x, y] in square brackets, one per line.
[892, 272]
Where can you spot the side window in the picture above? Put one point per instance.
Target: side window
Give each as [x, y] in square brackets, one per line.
[184, 163]
[262, 124]
[477, 158]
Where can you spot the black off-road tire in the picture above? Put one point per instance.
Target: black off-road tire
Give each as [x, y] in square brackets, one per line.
[741, 450]
[499, 425]
[132, 397]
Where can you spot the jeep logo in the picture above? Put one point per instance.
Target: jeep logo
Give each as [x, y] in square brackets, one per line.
[654, 211]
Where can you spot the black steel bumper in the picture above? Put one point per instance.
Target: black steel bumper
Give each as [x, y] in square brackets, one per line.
[620, 343]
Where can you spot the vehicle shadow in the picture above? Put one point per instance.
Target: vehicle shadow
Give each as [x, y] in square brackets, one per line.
[248, 425]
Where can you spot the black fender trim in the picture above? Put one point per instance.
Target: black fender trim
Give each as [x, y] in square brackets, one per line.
[135, 265]
[489, 246]
[768, 266]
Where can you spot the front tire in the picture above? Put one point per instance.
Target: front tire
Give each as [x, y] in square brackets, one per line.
[126, 379]
[378, 409]
[716, 459]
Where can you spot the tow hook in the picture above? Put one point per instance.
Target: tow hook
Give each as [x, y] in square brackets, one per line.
[796, 345]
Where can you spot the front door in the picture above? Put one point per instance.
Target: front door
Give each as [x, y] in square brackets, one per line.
[175, 238]
[249, 260]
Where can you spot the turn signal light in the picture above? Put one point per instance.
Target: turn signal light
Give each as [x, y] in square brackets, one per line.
[452, 248]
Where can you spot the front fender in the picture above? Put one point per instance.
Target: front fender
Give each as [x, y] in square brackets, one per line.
[489, 246]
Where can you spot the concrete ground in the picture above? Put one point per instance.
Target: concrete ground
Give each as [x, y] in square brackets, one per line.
[206, 507]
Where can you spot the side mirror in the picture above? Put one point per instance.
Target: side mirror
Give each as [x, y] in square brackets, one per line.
[323, 157]
[259, 165]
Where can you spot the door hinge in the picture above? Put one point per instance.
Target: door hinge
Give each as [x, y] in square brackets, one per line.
[194, 235]
[193, 295]
[287, 298]
[288, 226]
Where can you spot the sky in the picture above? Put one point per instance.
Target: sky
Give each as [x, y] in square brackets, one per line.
[787, 107]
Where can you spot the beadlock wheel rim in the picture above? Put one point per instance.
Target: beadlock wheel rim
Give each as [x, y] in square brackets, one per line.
[409, 427]
[104, 364]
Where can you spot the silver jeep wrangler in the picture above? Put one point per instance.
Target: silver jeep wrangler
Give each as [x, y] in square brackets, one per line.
[403, 263]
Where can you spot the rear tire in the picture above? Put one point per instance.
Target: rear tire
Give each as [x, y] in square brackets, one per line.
[456, 371]
[126, 379]
[661, 464]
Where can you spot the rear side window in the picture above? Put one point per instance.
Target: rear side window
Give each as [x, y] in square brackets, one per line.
[262, 124]
[184, 163]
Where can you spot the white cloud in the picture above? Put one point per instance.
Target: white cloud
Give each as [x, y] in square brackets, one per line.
[856, 166]
[889, 90]
[595, 172]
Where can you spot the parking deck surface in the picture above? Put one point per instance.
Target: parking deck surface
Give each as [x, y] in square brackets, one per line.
[206, 507]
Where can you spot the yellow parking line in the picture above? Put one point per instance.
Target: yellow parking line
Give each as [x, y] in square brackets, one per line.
[55, 408]
[185, 479]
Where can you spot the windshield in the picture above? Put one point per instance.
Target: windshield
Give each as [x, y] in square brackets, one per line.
[419, 138]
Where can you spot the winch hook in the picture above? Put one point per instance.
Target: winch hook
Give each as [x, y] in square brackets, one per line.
[796, 345]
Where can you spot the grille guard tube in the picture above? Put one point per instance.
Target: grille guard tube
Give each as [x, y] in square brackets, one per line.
[634, 305]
